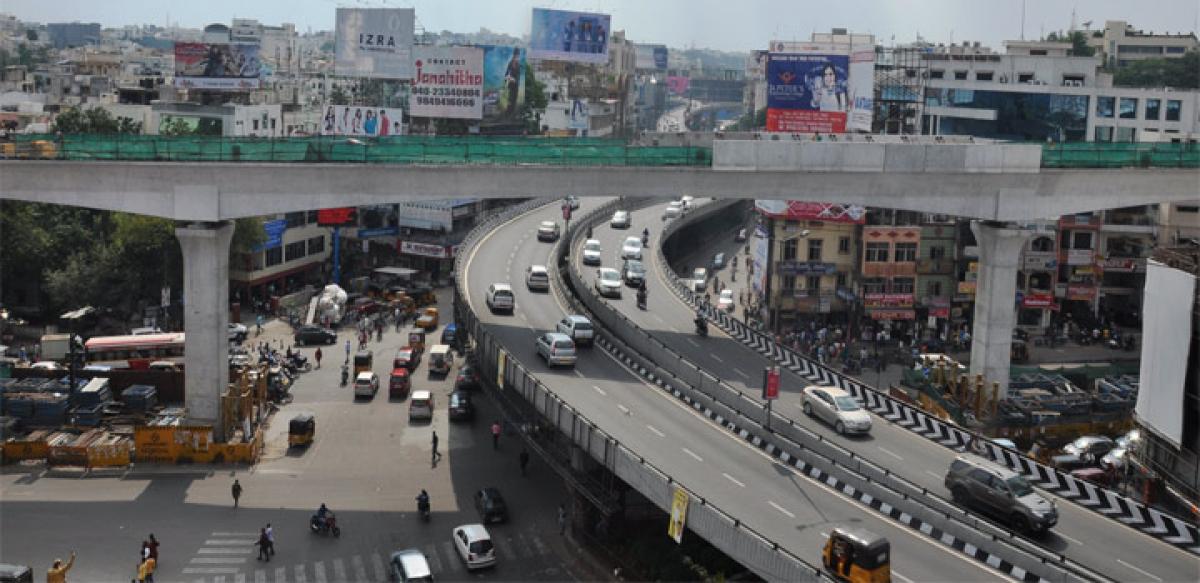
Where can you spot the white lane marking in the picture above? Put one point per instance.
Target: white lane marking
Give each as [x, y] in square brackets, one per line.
[1078, 542]
[281, 573]
[717, 358]
[254, 534]
[319, 572]
[656, 431]
[339, 570]
[300, 574]
[899, 576]
[895, 455]
[739, 371]
[225, 551]
[578, 374]
[623, 408]
[1156, 578]
[230, 541]
[933, 473]
[732, 479]
[218, 560]
[781, 509]
[209, 570]
[380, 571]
[692, 453]
[239, 578]
[360, 568]
[692, 341]
[260, 576]
[599, 390]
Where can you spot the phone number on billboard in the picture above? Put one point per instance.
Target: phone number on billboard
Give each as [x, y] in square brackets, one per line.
[456, 101]
[446, 91]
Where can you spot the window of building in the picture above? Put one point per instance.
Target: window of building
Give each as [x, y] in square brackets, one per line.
[1187, 208]
[1125, 135]
[788, 282]
[1042, 245]
[1128, 108]
[877, 252]
[960, 75]
[272, 123]
[1037, 52]
[1174, 106]
[274, 256]
[983, 75]
[1103, 134]
[1105, 106]
[935, 288]
[1152, 108]
[295, 219]
[906, 252]
[316, 245]
[1025, 77]
[789, 249]
[841, 279]
[814, 249]
[1176, 50]
[1081, 240]
[294, 251]
[844, 245]
[937, 252]
[873, 285]
[1074, 80]
[813, 284]
[937, 74]
[902, 285]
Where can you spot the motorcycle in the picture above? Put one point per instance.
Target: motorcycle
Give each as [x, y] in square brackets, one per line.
[326, 526]
[641, 299]
[300, 362]
[701, 327]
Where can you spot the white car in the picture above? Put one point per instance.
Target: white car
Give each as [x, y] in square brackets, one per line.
[725, 302]
[608, 282]
[537, 278]
[620, 220]
[631, 248]
[410, 566]
[837, 407]
[237, 332]
[366, 384]
[591, 252]
[699, 279]
[673, 211]
[547, 231]
[474, 545]
[500, 297]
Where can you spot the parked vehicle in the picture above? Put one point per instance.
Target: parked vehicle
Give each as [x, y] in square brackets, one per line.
[459, 406]
[312, 334]
[466, 379]
[973, 480]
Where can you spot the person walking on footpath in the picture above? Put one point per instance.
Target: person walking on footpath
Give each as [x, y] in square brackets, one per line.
[435, 456]
[57, 573]
[264, 546]
[270, 540]
[562, 520]
[495, 435]
[317, 355]
[347, 350]
[524, 460]
[237, 492]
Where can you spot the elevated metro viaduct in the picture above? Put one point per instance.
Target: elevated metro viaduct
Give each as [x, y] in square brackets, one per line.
[995, 183]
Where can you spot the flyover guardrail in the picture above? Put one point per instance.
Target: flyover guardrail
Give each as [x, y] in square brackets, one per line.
[500, 369]
[1123, 510]
[862, 480]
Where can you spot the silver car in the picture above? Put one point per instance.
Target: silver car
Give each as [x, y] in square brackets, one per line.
[608, 282]
[557, 348]
[591, 252]
[836, 407]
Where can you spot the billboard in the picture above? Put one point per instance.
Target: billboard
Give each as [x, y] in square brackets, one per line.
[363, 120]
[1165, 358]
[678, 85]
[503, 83]
[798, 210]
[862, 90]
[563, 35]
[652, 57]
[337, 217]
[579, 116]
[807, 92]
[448, 82]
[217, 66]
[374, 42]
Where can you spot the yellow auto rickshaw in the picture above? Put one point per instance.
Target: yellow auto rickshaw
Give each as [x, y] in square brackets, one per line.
[428, 320]
[857, 556]
[416, 340]
[301, 430]
[363, 359]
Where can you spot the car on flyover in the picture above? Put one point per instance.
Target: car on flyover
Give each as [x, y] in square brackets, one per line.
[608, 282]
[556, 348]
[673, 210]
[975, 481]
[633, 272]
[631, 248]
[547, 231]
[620, 220]
[836, 407]
[591, 252]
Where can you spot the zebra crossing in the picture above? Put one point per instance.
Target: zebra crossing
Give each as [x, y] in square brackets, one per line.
[230, 557]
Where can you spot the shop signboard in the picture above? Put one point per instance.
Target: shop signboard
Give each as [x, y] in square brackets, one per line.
[939, 312]
[893, 314]
[1081, 292]
[423, 249]
[217, 66]
[337, 217]
[1124, 265]
[374, 42]
[565, 35]
[448, 82]
[792, 267]
[878, 300]
[378, 232]
[966, 287]
[799, 210]
[1080, 256]
[1040, 260]
[1037, 300]
[274, 234]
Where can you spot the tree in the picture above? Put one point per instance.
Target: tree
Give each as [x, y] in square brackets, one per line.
[751, 121]
[1181, 73]
[535, 102]
[1079, 44]
[248, 233]
[175, 126]
[96, 120]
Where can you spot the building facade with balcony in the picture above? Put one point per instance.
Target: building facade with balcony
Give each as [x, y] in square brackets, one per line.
[888, 271]
[813, 275]
[936, 264]
[293, 255]
[1036, 279]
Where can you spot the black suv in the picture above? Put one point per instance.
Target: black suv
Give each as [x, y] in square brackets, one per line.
[310, 334]
[490, 505]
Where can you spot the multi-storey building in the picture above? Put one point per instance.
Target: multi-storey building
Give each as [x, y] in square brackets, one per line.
[1120, 44]
[936, 270]
[891, 245]
[292, 256]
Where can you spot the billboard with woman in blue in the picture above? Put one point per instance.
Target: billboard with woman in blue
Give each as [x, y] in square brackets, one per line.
[563, 35]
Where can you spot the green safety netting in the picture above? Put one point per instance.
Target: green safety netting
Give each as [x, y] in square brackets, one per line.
[1123, 155]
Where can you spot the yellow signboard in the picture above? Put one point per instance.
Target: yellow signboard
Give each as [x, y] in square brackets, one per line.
[679, 505]
[501, 360]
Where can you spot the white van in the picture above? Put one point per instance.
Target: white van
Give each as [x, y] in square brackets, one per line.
[440, 359]
[420, 405]
[500, 298]
[537, 278]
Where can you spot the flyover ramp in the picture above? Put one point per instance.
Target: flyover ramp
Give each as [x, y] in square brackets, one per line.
[1082, 535]
[769, 497]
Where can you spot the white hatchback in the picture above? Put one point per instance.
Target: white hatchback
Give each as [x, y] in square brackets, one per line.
[620, 220]
[591, 252]
[631, 248]
[474, 546]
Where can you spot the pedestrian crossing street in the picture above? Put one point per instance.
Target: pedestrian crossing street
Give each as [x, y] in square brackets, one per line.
[231, 557]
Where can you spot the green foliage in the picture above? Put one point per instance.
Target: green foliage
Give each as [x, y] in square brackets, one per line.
[176, 126]
[96, 120]
[247, 234]
[1079, 46]
[339, 96]
[751, 121]
[535, 102]
[1180, 73]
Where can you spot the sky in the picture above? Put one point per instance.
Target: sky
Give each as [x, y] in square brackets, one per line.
[728, 25]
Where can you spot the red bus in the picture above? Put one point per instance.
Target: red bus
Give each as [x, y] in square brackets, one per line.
[134, 352]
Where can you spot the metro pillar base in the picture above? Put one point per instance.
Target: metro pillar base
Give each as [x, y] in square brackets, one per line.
[995, 298]
[205, 317]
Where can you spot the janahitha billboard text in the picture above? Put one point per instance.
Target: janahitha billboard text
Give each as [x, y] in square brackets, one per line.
[503, 83]
[361, 120]
[448, 82]
[807, 93]
[217, 66]
[562, 35]
[374, 42]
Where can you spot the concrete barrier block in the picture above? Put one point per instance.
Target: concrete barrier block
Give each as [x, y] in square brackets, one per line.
[1022, 158]
[904, 158]
[774, 156]
[734, 155]
[945, 157]
[984, 159]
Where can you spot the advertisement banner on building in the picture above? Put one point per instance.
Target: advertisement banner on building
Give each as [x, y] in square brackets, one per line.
[423, 249]
[651, 57]
[374, 42]
[564, 35]
[966, 287]
[225, 66]
[862, 90]
[378, 232]
[503, 83]
[1080, 256]
[448, 82]
[1124, 265]
[893, 314]
[337, 217]
[1037, 301]
[580, 116]
[878, 300]
[274, 234]
[678, 85]
[806, 93]
[1040, 260]
[365, 121]
[1085, 293]
[798, 210]
[759, 248]
[793, 267]
[939, 312]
